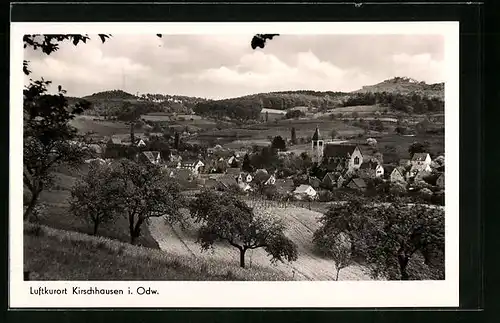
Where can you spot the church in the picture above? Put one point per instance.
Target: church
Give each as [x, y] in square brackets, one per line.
[336, 157]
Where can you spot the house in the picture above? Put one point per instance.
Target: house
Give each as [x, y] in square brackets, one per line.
[152, 157]
[141, 143]
[371, 169]
[244, 178]
[226, 182]
[173, 164]
[398, 175]
[331, 180]
[261, 176]
[305, 191]
[421, 162]
[357, 184]
[245, 187]
[195, 165]
[404, 162]
[440, 181]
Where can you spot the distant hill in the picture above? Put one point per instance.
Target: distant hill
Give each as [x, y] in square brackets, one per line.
[111, 95]
[405, 85]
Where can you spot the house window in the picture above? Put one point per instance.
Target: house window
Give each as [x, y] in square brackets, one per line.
[356, 160]
[315, 143]
[321, 143]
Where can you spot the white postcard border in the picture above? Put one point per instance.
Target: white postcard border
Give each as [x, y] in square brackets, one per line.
[243, 294]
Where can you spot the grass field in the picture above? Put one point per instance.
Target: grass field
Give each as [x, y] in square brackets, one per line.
[51, 254]
[57, 215]
[101, 127]
[301, 224]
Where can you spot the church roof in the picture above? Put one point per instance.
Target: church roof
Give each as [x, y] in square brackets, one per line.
[316, 135]
[338, 150]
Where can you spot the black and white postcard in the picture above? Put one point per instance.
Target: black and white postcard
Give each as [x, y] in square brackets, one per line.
[234, 165]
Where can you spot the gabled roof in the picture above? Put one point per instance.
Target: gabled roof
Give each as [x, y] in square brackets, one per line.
[316, 135]
[369, 165]
[338, 150]
[227, 180]
[332, 176]
[359, 182]
[419, 156]
[399, 169]
[152, 156]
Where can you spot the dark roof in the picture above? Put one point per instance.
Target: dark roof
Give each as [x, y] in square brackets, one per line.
[151, 155]
[359, 182]
[316, 135]
[227, 180]
[332, 176]
[233, 171]
[338, 150]
[419, 156]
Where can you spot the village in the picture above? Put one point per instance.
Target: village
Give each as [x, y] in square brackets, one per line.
[330, 166]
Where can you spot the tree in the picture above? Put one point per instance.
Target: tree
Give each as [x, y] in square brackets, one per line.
[247, 166]
[146, 191]
[49, 139]
[333, 133]
[97, 196]
[278, 143]
[388, 236]
[267, 116]
[177, 140]
[293, 136]
[336, 245]
[224, 217]
[47, 134]
[417, 147]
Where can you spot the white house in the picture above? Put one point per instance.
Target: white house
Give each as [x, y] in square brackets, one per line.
[304, 191]
[421, 162]
[244, 177]
[193, 165]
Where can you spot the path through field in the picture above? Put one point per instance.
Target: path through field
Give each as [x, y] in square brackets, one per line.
[301, 223]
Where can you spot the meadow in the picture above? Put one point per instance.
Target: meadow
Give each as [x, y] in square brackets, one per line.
[52, 254]
[300, 222]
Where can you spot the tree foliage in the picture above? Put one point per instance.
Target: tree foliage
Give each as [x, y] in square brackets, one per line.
[96, 197]
[146, 191]
[278, 143]
[388, 237]
[48, 138]
[224, 217]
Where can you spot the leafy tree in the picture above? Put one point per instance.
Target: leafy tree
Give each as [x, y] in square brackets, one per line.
[97, 196]
[293, 136]
[333, 133]
[294, 114]
[146, 191]
[387, 237]
[47, 134]
[177, 141]
[336, 245]
[224, 217]
[247, 166]
[417, 147]
[278, 143]
[48, 139]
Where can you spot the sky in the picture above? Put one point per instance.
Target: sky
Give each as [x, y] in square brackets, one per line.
[223, 66]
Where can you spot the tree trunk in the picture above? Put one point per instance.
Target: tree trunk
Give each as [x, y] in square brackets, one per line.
[242, 257]
[337, 277]
[403, 263]
[96, 226]
[31, 206]
[136, 230]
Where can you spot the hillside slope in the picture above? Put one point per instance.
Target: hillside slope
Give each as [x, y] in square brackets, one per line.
[301, 223]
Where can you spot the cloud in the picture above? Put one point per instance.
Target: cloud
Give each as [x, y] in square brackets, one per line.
[218, 66]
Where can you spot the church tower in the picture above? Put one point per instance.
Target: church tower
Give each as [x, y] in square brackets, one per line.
[317, 147]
